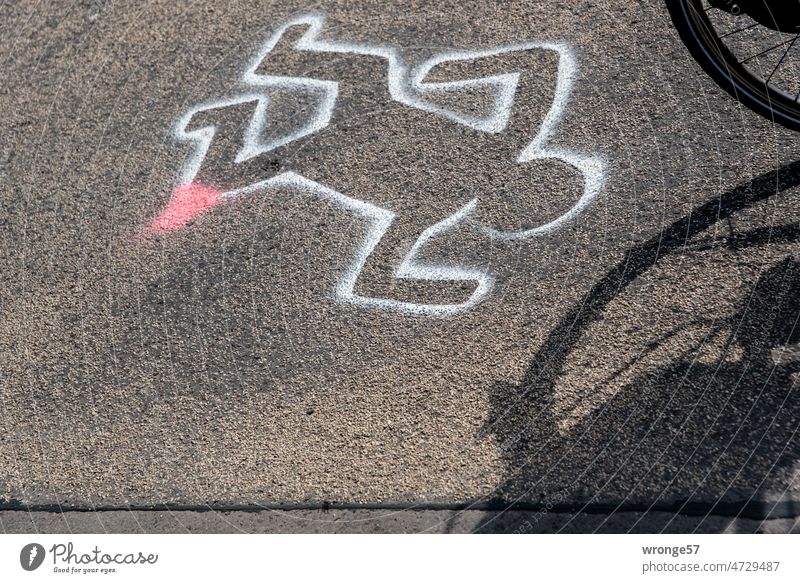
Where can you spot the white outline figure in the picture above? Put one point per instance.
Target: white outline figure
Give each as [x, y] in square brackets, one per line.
[406, 85]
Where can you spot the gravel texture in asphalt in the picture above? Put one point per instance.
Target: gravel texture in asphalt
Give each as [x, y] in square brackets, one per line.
[641, 352]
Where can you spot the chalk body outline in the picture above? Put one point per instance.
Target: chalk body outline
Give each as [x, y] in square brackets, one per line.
[406, 85]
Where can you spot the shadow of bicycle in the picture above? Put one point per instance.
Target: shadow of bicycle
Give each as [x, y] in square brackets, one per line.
[692, 434]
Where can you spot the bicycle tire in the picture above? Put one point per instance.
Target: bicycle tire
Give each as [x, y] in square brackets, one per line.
[699, 36]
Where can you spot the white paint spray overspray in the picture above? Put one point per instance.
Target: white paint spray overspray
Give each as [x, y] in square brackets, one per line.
[407, 85]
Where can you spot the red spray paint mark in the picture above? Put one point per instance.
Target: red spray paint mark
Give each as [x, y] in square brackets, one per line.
[187, 202]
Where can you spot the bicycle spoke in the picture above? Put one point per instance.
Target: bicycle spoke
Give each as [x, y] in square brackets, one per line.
[738, 30]
[764, 52]
[794, 40]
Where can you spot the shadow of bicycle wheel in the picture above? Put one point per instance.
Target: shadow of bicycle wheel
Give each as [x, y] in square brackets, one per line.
[689, 427]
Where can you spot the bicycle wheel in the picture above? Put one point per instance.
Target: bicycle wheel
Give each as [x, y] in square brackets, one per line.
[756, 64]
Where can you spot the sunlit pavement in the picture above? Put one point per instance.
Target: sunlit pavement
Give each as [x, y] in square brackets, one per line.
[593, 323]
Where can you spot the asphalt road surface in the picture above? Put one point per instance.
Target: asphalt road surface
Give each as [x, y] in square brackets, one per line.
[600, 269]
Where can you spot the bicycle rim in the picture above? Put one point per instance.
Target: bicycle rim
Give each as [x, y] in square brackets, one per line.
[729, 70]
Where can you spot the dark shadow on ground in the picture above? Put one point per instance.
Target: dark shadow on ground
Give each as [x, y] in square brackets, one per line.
[696, 431]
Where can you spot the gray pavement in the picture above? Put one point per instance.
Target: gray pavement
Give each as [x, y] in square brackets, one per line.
[639, 354]
[383, 521]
